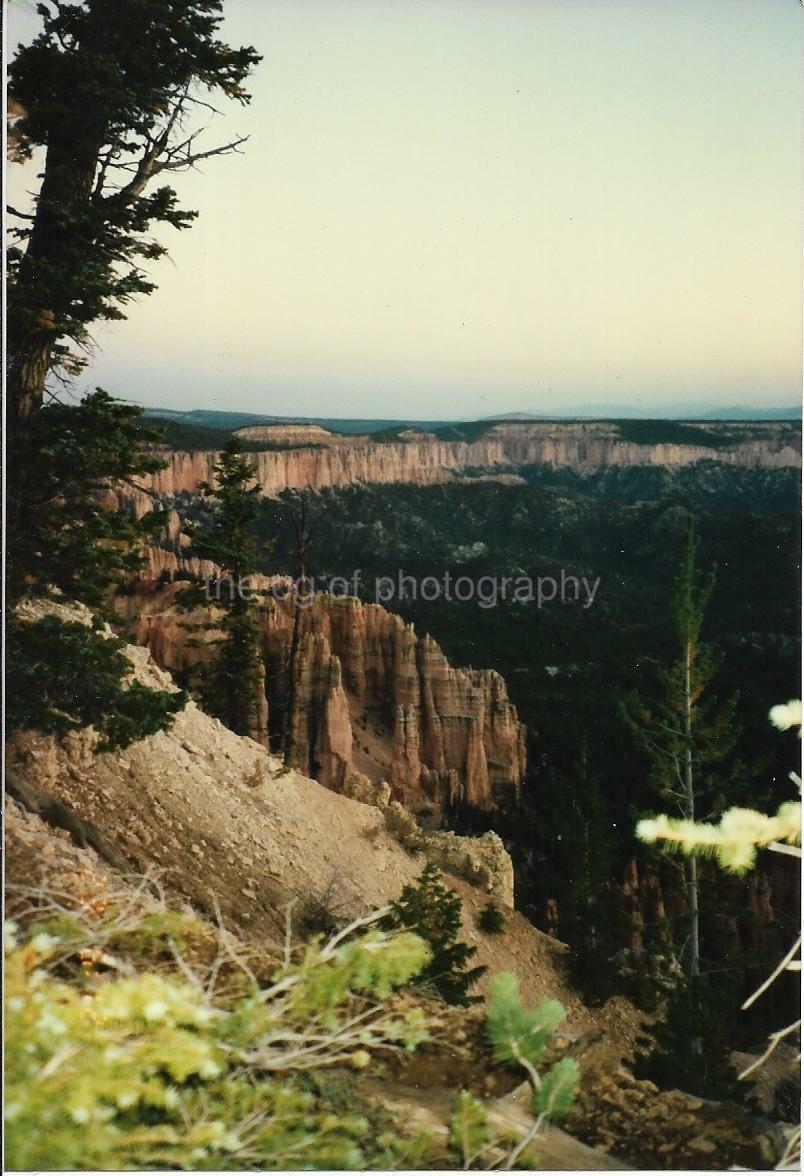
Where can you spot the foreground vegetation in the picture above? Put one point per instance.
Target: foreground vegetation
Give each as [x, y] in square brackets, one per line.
[138, 1037]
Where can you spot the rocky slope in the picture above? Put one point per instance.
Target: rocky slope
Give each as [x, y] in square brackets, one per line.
[319, 460]
[211, 821]
[636, 1125]
[373, 700]
[628, 1123]
[213, 816]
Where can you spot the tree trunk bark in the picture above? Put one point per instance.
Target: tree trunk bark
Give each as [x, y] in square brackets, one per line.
[689, 790]
[44, 288]
[692, 902]
[28, 371]
[288, 739]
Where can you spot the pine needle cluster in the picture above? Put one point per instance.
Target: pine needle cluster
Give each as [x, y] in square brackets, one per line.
[519, 1037]
[734, 841]
[115, 1063]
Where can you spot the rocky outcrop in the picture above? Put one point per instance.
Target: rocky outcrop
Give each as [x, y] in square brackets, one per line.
[320, 726]
[368, 695]
[594, 445]
[286, 435]
[161, 564]
[482, 861]
[666, 1130]
[332, 460]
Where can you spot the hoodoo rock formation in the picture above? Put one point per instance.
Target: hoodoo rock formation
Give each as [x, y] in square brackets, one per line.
[371, 698]
[436, 733]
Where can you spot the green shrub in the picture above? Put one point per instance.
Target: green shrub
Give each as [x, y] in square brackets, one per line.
[491, 919]
[518, 1038]
[138, 1037]
[63, 675]
[689, 1047]
[112, 1067]
[469, 1129]
[434, 913]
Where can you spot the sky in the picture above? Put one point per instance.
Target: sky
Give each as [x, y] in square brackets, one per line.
[457, 208]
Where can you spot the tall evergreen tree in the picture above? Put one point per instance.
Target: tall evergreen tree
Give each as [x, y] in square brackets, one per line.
[63, 539]
[687, 733]
[233, 687]
[63, 531]
[111, 91]
[589, 905]
[688, 1049]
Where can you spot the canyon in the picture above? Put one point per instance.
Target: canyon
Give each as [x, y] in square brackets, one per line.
[216, 817]
[373, 708]
[310, 457]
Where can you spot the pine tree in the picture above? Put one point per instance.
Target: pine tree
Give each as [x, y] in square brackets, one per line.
[520, 1037]
[64, 538]
[491, 919]
[434, 913]
[110, 91]
[66, 464]
[233, 687]
[696, 1014]
[229, 538]
[687, 733]
[689, 1047]
[590, 913]
[85, 684]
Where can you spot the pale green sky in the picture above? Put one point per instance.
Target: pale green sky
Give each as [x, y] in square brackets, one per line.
[461, 207]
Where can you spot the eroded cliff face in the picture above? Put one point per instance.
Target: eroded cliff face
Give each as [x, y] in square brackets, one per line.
[424, 460]
[371, 698]
[167, 565]
[438, 734]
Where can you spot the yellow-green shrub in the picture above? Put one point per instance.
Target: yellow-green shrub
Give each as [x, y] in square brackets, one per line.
[145, 1070]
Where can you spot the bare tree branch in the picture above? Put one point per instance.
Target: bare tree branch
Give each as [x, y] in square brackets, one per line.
[777, 971]
[191, 160]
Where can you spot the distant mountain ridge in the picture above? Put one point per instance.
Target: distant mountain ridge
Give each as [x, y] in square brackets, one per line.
[598, 412]
[753, 414]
